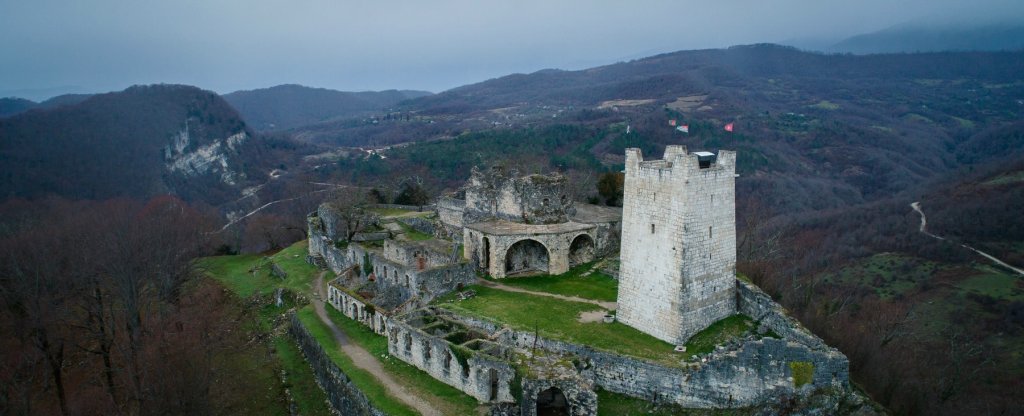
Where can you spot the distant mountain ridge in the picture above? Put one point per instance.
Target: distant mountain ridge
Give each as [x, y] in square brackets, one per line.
[668, 75]
[290, 105]
[140, 142]
[921, 38]
[13, 105]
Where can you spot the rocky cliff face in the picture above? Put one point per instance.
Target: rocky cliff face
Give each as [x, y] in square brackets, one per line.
[137, 143]
[186, 157]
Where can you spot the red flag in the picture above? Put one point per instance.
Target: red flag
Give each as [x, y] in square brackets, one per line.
[672, 122]
[728, 127]
[684, 128]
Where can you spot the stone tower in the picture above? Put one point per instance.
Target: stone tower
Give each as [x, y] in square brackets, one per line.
[678, 271]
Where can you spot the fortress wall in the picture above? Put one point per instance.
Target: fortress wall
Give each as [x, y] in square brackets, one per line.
[408, 254]
[753, 302]
[422, 225]
[753, 373]
[436, 357]
[344, 397]
[757, 372]
[449, 212]
[356, 310]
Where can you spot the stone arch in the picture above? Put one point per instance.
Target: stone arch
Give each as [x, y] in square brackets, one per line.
[581, 250]
[525, 256]
[552, 402]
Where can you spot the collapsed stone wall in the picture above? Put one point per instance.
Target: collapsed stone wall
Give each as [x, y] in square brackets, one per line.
[416, 255]
[420, 208]
[344, 397]
[606, 238]
[425, 284]
[753, 302]
[534, 199]
[357, 310]
[749, 374]
[580, 400]
[487, 379]
[422, 225]
[333, 225]
[449, 214]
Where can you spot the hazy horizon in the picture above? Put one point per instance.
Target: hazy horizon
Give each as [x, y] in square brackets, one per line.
[54, 47]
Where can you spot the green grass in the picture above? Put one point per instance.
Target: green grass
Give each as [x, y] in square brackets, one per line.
[597, 286]
[234, 271]
[257, 369]
[557, 319]
[256, 374]
[744, 278]
[826, 105]
[1006, 179]
[719, 332]
[413, 234]
[995, 283]
[308, 396]
[888, 274]
[964, 123]
[803, 372]
[363, 380]
[917, 118]
[395, 212]
[449, 399]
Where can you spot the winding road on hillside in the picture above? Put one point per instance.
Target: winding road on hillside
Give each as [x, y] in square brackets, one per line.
[923, 229]
[366, 361]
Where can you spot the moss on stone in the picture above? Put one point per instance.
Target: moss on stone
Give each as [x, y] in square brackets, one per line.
[462, 355]
[802, 371]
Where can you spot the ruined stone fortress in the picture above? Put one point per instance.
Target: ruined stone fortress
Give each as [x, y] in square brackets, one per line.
[678, 272]
[676, 242]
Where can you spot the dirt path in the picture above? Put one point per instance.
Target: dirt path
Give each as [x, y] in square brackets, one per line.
[495, 285]
[924, 222]
[366, 361]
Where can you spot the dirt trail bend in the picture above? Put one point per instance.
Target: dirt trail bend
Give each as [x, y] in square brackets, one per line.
[924, 222]
[366, 361]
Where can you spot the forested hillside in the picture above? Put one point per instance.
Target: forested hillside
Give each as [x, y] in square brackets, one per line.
[12, 105]
[288, 106]
[142, 142]
[832, 150]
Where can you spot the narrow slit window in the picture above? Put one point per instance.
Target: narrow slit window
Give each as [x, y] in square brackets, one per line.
[652, 228]
[709, 232]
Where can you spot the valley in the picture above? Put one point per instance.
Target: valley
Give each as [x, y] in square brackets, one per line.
[839, 157]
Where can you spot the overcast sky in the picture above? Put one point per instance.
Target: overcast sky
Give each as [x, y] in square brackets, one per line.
[50, 46]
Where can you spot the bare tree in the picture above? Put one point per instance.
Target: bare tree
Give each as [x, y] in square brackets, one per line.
[347, 210]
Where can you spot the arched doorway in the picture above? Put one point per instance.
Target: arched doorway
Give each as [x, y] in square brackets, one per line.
[551, 402]
[526, 256]
[581, 250]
